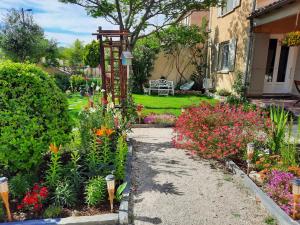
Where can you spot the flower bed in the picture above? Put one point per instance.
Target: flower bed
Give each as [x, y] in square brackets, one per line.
[70, 180]
[223, 132]
[164, 119]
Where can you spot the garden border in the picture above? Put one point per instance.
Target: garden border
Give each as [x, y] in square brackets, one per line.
[124, 205]
[121, 218]
[266, 201]
[152, 126]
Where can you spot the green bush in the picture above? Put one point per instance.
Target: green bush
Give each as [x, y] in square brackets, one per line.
[53, 211]
[19, 185]
[95, 191]
[33, 113]
[120, 158]
[223, 92]
[76, 81]
[64, 195]
[62, 80]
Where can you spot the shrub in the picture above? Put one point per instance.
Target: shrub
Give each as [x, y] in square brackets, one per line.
[223, 92]
[62, 80]
[95, 191]
[19, 185]
[53, 211]
[33, 112]
[64, 195]
[217, 131]
[76, 81]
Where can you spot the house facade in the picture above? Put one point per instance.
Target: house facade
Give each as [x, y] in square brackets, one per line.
[246, 38]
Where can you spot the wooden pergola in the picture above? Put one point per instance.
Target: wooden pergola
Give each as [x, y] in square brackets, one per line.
[113, 74]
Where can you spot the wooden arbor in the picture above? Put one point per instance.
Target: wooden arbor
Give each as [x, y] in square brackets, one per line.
[113, 73]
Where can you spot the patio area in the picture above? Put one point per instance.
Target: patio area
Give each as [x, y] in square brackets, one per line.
[286, 102]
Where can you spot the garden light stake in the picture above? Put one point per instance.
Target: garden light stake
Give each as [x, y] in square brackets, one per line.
[110, 180]
[4, 195]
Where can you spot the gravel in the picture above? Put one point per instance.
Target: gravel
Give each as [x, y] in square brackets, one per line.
[173, 187]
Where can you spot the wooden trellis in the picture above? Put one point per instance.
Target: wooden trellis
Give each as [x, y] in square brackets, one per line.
[113, 73]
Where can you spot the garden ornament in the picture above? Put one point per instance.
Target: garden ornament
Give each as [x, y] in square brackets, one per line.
[110, 180]
[4, 195]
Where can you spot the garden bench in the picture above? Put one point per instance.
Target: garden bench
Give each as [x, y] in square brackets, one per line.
[162, 86]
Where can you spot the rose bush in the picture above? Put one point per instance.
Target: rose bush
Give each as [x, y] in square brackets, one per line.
[218, 131]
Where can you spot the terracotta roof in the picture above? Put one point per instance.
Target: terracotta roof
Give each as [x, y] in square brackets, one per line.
[268, 8]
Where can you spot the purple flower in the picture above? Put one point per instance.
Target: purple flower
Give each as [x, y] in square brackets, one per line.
[279, 189]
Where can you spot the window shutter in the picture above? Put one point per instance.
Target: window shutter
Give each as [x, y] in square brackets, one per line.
[219, 11]
[215, 58]
[232, 53]
[237, 3]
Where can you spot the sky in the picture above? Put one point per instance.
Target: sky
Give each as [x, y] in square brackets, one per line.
[62, 22]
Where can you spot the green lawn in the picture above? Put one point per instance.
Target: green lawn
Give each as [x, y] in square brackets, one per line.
[169, 104]
[152, 104]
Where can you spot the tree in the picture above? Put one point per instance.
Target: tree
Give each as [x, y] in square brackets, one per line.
[73, 54]
[142, 17]
[21, 38]
[185, 42]
[144, 53]
[92, 54]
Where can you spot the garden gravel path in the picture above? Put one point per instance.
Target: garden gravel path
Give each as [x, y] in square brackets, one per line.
[172, 187]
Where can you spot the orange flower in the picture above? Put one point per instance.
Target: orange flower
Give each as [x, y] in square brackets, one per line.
[109, 132]
[53, 148]
[100, 132]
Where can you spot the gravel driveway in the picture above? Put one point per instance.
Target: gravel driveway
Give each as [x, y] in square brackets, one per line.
[171, 187]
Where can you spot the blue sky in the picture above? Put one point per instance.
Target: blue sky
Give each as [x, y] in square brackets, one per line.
[63, 22]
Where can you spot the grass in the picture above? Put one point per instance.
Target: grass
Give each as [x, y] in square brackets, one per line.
[152, 104]
[169, 104]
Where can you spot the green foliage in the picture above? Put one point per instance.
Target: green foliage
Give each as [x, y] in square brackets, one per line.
[120, 190]
[19, 185]
[92, 54]
[2, 214]
[64, 195]
[137, 16]
[62, 81]
[74, 54]
[185, 41]
[33, 113]
[21, 39]
[224, 92]
[73, 171]
[76, 81]
[95, 191]
[279, 120]
[120, 158]
[270, 220]
[52, 211]
[93, 158]
[54, 172]
[145, 52]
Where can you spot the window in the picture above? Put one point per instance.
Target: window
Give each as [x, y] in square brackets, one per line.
[226, 56]
[229, 6]
[223, 63]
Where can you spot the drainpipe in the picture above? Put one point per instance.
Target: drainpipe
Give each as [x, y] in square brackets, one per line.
[249, 49]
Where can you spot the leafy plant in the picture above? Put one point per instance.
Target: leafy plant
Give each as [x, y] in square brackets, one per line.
[2, 214]
[95, 191]
[218, 131]
[53, 211]
[72, 171]
[223, 92]
[33, 113]
[120, 190]
[54, 172]
[120, 158]
[62, 81]
[19, 185]
[292, 39]
[92, 54]
[279, 120]
[64, 195]
[76, 81]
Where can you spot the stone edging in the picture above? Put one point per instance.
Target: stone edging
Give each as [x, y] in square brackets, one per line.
[152, 125]
[104, 219]
[267, 202]
[124, 205]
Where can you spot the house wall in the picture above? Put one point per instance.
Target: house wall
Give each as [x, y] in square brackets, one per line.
[233, 25]
[263, 3]
[165, 65]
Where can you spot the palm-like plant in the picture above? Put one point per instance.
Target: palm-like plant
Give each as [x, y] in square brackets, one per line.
[279, 118]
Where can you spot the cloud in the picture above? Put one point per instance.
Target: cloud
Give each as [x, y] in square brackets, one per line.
[63, 22]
